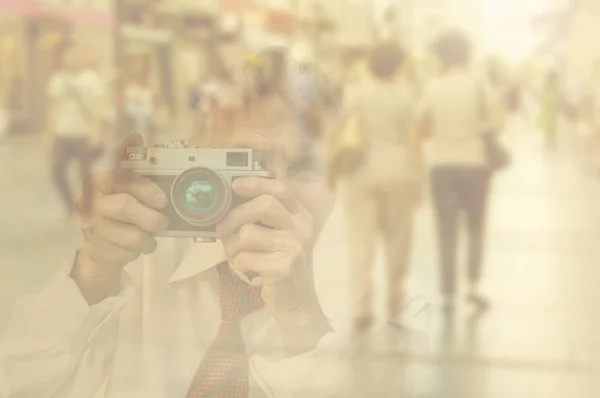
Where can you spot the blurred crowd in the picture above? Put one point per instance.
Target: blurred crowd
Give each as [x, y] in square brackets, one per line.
[393, 126]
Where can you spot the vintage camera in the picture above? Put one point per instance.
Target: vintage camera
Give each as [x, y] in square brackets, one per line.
[197, 182]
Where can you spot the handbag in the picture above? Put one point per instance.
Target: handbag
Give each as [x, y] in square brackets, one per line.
[348, 151]
[496, 153]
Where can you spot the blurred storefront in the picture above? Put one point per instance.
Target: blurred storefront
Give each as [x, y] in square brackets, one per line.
[13, 56]
[147, 46]
[194, 23]
[29, 32]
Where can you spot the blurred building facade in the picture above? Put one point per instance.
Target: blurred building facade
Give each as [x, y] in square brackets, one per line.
[29, 31]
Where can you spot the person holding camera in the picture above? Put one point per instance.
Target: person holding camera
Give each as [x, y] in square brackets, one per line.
[135, 314]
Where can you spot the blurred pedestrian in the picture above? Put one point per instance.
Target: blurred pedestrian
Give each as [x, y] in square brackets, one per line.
[72, 126]
[140, 100]
[222, 94]
[93, 79]
[382, 192]
[452, 113]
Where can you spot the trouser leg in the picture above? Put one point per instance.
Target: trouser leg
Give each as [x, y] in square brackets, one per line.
[446, 203]
[396, 220]
[62, 154]
[85, 160]
[475, 192]
[361, 228]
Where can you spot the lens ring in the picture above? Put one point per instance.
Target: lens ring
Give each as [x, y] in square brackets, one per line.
[201, 197]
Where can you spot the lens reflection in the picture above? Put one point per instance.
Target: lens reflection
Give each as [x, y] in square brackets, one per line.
[200, 195]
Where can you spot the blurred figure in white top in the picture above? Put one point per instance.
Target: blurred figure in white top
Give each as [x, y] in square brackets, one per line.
[72, 126]
[382, 192]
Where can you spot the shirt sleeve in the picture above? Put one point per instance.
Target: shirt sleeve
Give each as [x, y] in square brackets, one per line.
[55, 337]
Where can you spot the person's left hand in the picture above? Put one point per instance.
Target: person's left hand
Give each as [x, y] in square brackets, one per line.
[279, 251]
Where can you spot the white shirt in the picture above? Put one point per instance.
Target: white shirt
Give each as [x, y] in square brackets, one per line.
[452, 104]
[73, 96]
[148, 341]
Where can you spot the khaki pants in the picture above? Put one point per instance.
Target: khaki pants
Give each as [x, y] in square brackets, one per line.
[372, 209]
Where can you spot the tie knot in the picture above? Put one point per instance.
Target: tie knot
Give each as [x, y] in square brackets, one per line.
[238, 298]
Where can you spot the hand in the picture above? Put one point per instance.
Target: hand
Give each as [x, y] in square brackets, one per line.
[279, 254]
[119, 217]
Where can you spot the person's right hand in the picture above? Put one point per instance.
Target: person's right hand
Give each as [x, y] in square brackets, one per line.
[119, 217]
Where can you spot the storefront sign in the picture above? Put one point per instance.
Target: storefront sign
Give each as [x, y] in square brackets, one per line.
[237, 6]
[95, 13]
[280, 21]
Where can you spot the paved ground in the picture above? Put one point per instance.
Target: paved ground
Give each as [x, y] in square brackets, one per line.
[539, 340]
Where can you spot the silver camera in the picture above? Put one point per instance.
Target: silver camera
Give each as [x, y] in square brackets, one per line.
[197, 182]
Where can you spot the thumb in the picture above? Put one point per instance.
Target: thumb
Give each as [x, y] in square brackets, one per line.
[108, 171]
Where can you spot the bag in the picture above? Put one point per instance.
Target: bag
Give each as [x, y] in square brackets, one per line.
[496, 154]
[348, 151]
[498, 157]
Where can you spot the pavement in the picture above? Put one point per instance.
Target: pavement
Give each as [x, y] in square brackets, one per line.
[540, 338]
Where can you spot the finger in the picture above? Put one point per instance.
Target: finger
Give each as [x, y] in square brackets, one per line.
[104, 252]
[104, 182]
[251, 237]
[124, 235]
[251, 187]
[144, 190]
[127, 209]
[265, 209]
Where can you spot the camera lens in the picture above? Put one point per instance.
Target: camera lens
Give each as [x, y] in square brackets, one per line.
[201, 197]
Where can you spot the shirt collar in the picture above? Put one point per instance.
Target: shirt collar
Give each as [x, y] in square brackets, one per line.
[200, 257]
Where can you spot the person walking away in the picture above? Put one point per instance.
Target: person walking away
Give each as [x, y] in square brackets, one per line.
[381, 194]
[72, 123]
[459, 174]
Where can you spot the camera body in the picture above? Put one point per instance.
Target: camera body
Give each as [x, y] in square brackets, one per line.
[197, 182]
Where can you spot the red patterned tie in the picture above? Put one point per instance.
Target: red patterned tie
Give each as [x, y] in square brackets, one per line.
[224, 371]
